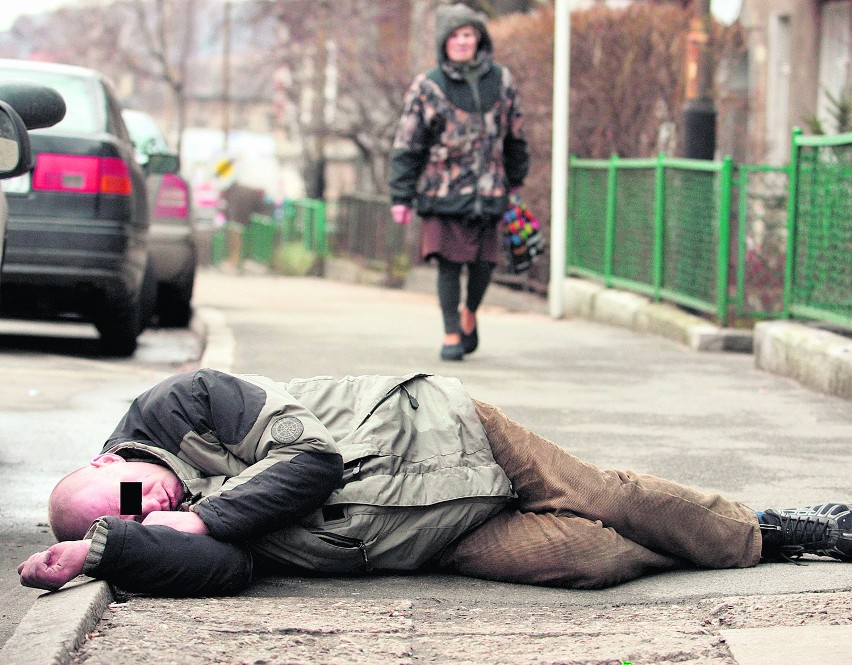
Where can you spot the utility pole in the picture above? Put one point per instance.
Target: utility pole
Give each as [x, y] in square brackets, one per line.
[316, 184]
[226, 74]
[699, 110]
[560, 159]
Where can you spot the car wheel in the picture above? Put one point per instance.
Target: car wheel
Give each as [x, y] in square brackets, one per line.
[174, 303]
[119, 326]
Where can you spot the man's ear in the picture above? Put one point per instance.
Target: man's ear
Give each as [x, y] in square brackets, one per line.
[106, 458]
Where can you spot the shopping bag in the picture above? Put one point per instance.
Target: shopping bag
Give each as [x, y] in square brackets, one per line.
[522, 236]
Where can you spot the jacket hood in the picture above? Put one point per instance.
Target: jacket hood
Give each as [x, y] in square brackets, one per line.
[452, 17]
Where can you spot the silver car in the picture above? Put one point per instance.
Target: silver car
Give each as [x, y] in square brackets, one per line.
[171, 237]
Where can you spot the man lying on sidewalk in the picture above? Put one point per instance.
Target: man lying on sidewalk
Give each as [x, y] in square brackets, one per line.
[380, 473]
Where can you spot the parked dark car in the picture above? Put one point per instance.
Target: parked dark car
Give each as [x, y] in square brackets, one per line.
[77, 235]
[172, 237]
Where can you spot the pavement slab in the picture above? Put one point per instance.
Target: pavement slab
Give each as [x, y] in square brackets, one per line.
[803, 645]
[435, 629]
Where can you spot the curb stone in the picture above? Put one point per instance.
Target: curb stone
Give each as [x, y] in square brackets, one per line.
[57, 624]
[816, 358]
[638, 313]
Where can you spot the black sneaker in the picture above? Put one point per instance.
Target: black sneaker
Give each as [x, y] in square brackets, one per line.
[452, 351]
[470, 342]
[824, 529]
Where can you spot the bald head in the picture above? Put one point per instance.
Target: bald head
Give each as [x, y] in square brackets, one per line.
[94, 491]
[67, 518]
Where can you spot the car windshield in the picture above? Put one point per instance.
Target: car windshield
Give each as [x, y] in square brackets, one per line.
[144, 132]
[84, 106]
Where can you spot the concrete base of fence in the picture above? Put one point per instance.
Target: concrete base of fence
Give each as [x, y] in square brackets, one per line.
[593, 301]
[817, 358]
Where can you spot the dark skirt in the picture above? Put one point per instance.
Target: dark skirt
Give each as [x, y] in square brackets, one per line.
[459, 241]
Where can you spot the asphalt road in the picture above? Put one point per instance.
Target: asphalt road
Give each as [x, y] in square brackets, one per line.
[59, 399]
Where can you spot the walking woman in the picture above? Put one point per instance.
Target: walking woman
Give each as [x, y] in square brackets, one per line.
[459, 152]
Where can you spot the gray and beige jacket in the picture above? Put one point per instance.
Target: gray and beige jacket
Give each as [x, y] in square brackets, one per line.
[459, 147]
[330, 475]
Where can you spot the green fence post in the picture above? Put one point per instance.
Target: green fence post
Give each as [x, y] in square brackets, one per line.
[251, 240]
[609, 237]
[724, 246]
[308, 224]
[260, 238]
[659, 222]
[217, 246]
[792, 207]
[742, 223]
[320, 235]
[569, 223]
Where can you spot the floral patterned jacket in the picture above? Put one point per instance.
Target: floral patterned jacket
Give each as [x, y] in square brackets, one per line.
[459, 147]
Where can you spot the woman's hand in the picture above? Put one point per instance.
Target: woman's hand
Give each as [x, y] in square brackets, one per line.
[179, 521]
[57, 565]
[401, 213]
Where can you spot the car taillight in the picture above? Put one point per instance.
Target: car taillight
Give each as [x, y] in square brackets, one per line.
[115, 178]
[173, 197]
[82, 174]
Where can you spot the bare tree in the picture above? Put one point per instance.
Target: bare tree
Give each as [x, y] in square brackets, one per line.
[45, 37]
[373, 75]
[142, 45]
[342, 73]
[158, 44]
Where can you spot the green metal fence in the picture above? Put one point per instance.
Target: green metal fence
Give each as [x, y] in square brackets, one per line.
[295, 221]
[656, 226]
[818, 276]
[762, 193]
[259, 239]
[305, 220]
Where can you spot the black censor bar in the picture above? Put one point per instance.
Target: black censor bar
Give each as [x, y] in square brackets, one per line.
[131, 498]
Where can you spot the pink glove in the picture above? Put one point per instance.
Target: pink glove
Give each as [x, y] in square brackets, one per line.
[401, 213]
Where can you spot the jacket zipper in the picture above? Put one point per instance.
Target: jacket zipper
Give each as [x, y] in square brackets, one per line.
[348, 542]
[400, 387]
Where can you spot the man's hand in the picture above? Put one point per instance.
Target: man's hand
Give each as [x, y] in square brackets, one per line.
[401, 213]
[179, 521]
[57, 565]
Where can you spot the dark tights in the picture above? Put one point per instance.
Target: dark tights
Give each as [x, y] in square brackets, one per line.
[449, 289]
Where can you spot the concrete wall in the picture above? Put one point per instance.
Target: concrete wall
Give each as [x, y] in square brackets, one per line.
[760, 20]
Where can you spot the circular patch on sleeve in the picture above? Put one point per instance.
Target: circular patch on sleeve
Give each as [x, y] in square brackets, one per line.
[287, 429]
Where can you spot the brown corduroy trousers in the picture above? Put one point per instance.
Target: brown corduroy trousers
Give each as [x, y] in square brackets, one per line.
[574, 525]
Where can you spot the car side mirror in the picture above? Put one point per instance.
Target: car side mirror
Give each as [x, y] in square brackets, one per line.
[16, 156]
[163, 162]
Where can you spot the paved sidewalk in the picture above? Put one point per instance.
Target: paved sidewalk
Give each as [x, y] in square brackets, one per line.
[613, 396]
